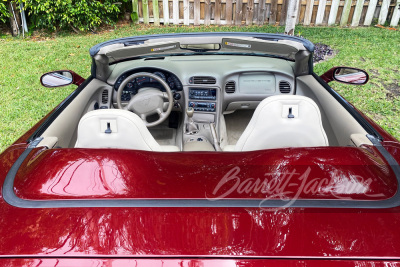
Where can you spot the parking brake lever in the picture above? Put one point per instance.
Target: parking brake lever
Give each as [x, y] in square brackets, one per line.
[214, 136]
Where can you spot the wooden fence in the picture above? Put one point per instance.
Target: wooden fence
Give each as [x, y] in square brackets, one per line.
[274, 12]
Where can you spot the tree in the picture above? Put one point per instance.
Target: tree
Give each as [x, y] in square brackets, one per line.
[291, 16]
[15, 18]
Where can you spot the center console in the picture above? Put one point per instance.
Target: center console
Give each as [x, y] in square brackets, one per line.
[201, 112]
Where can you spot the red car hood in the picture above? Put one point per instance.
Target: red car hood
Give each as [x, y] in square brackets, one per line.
[318, 174]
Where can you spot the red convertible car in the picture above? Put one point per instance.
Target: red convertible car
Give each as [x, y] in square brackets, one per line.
[202, 149]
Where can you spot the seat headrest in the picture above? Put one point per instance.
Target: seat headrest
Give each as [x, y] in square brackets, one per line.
[284, 121]
[114, 128]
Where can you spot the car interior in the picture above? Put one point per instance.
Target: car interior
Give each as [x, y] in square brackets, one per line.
[218, 102]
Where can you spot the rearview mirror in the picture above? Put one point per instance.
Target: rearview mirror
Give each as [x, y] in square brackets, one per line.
[60, 78]
[346, 75]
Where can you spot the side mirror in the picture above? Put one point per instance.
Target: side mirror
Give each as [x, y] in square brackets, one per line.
[346, 75]
[60, 78]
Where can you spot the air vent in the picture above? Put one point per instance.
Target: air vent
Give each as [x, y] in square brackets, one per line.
[284, 87]
[154, 58]
[104, 97]
[230, 87]
[202, 80]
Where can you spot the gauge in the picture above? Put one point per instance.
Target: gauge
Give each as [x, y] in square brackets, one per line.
[171, 82]
[142, 80]
[178, 84]
[159, 74]
[119, 81]
[130, 85]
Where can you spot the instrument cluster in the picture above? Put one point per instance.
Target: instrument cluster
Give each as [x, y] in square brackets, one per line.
[133, 86]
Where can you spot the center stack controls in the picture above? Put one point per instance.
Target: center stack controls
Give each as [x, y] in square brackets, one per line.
[202, 94]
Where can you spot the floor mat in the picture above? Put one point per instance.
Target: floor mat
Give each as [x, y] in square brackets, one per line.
[164, 136]
[236, 123]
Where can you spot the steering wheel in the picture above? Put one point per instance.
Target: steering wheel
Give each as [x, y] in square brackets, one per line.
[148, 100]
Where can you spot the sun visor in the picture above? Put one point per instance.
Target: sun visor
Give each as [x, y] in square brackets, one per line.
[281, 47]
[122, 51]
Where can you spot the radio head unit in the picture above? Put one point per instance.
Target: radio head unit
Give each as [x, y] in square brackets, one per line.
[203, 93]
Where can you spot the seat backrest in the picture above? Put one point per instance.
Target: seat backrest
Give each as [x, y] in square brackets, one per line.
[114, 128]
[284, 121]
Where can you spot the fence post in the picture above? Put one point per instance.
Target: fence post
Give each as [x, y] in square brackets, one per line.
[333, 12]
[308, 12]
[196, 15]
[156, 13]
[186, 12]
[166, 12]
[284, 12]
[249, 12]
[370, 12]
[345, 13]
[396, 15]
[357, 13]
[238, 13]
[261, 12]
[320, 12]
[228, 12]
[217, 12]
[175, 11]
[207, 12]
[145, 8]
[274, 10]
[384, 12]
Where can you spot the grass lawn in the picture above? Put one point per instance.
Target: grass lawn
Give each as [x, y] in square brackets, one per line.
[24, 101]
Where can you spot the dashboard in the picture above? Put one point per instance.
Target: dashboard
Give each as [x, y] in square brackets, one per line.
[133, 86]
[229, 82]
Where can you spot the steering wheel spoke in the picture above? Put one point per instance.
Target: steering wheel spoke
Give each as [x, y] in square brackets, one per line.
[149, 101]
[143, 117]
[159, 111]
[164, 95]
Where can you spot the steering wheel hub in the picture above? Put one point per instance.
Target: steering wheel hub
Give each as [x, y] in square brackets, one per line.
[148, 101]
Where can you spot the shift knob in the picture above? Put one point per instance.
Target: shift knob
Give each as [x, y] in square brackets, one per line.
[189, 112]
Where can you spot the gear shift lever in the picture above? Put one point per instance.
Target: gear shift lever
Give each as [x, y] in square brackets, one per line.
[190, 112]
[191, 127]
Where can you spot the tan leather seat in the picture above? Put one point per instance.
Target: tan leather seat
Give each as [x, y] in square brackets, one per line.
[283, 121]
[116, 128]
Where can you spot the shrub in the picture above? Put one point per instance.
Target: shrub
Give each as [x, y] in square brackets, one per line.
[77, 14]
[4, 14]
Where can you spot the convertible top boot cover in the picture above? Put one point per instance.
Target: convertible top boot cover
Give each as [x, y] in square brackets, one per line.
[114, 128]
[284, 121]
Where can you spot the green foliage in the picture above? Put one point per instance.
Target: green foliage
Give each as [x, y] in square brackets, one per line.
[4, 14]
[78, 14]
[135, 17]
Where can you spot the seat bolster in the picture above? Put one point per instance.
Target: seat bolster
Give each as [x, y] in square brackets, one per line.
[170, 148]
[229, 148]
